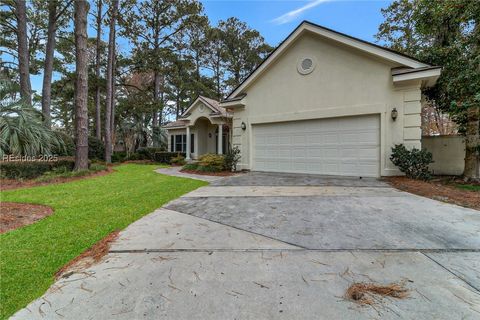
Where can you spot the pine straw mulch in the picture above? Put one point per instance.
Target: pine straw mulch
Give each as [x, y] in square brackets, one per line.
[88, 258]
[438, 189]
[205, 173]
[11, 184]
[15, 215]
[364, 293]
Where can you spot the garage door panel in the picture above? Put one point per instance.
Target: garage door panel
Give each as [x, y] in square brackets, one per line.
[336, 146]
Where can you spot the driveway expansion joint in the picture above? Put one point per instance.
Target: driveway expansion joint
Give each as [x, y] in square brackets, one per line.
[422, 251]
[451, 272]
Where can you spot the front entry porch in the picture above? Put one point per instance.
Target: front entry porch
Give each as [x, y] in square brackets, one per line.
[200, 138]
[203, 128]
[205, 137]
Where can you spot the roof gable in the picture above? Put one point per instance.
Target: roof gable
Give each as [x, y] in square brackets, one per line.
[210, 103]
[305, 26]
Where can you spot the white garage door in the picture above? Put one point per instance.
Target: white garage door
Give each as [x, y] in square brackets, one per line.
[348, 146]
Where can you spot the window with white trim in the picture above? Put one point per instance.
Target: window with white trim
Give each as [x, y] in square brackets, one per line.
[178, 143]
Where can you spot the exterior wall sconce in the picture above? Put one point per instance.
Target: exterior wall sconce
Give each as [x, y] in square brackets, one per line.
[394, 114]
[243, 126]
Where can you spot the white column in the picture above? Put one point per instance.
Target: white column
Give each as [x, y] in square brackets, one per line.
[187, 152]
[220, 139]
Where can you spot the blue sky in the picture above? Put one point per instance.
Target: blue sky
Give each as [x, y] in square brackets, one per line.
[358, 18]
[275, 19]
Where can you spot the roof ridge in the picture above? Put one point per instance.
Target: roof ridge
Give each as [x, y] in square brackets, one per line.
[312, 24]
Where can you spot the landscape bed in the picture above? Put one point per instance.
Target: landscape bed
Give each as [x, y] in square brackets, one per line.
[444, 189]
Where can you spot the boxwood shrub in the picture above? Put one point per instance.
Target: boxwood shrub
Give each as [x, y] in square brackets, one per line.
[166, 157]
[32, 169]
[178, 160]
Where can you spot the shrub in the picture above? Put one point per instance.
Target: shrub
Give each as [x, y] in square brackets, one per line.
[178, 160]
[148, 153]
[414, 163]
[165, 157]
[190, 166]
[95, 167]
[212, 162]
[33, 169]
[208, 169]
[63, 172]
[135, 156]
[231, 159]
[119, 156]
[69, 145]
[96, 149]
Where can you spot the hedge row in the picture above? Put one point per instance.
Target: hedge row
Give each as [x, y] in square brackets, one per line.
[166, 157]
[148, 153]
[32, 169]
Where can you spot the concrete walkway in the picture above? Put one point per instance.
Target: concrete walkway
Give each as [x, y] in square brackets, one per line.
[272, 246]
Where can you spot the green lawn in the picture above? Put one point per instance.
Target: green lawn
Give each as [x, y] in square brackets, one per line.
[469, 187]
[85, 212]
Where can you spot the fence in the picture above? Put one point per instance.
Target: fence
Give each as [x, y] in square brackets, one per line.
[448, 153]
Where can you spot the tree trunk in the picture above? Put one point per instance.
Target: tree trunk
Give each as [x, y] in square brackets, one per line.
[162, 101]
[177, 113]
[156, 93]
[472, 144]
[98, 109]
[114, 88]
[108, 103]
[23, 53]
[48, 70]
[81, 86]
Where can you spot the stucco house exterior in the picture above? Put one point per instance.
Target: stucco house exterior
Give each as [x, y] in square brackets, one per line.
[322, 103]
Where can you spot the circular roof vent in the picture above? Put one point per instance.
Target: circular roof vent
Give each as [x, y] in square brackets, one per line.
[306, 65]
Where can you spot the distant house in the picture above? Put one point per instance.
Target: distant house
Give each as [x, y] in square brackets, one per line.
[323, 102]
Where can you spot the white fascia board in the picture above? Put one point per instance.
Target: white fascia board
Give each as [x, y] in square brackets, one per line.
[233, 104]
[430, 75]
[369, 48]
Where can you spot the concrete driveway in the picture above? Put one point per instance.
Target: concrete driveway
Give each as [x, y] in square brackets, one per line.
[281, 246]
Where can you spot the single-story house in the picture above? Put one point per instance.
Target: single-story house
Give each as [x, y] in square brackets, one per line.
[322, 102]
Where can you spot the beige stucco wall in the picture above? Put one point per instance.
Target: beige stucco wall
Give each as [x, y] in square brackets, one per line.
[448, 153]
[345, 82]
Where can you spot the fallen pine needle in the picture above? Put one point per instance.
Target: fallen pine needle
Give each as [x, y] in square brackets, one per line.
[366, 293]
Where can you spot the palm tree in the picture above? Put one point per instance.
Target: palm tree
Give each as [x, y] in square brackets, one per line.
[22, 132]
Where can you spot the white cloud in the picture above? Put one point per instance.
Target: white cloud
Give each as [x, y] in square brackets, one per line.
[292, 15]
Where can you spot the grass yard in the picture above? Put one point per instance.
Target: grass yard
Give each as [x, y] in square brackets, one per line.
[85, 212]
[469, 187]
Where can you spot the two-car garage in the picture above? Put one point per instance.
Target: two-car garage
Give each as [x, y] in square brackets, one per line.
[347, 146]
[326, 103]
